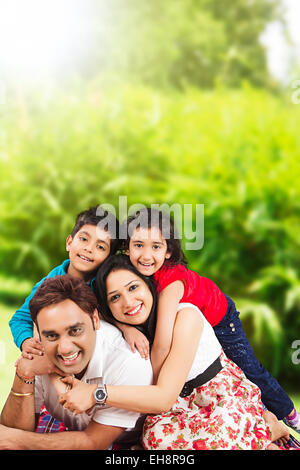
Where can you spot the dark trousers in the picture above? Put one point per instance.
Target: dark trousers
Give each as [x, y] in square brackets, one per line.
[236, 346]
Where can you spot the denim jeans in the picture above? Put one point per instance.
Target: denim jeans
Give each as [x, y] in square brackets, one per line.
[236, 346]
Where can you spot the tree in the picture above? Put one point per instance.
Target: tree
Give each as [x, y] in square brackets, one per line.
[181, 42]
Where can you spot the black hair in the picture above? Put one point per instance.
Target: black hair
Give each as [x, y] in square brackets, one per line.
[116, 263]
[151, 217]
[103, 219]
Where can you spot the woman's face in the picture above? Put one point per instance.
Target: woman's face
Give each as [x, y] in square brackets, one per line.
[128, 296]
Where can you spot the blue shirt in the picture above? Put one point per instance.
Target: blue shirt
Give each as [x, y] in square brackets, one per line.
[21, 324]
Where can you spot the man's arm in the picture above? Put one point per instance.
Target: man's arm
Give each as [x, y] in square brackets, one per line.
[18, 418]
[94, 437]
[18, 411]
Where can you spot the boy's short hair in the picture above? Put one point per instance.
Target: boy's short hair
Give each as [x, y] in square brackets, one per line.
[55, 290]
[102, 218]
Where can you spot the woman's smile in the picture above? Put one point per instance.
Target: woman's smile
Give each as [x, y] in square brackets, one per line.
[134, 311]
[129, 297]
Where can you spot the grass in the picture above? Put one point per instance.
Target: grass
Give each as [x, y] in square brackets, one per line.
[9, 354]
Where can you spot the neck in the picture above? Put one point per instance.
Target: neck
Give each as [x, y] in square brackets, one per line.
[73, 272]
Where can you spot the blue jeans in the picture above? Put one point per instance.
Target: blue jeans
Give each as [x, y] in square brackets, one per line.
[236, 346]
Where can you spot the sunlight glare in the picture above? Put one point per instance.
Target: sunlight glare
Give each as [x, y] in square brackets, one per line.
[41, 35]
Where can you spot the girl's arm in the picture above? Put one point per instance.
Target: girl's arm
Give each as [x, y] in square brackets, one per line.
[153, 398]
[135, 338]
[168, 302]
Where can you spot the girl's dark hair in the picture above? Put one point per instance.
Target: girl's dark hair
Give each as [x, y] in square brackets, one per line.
[150, 217]
[103, 219]
[116, 263]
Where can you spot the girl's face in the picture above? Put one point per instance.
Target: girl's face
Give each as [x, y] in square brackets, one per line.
[148, 250]
[128, 296]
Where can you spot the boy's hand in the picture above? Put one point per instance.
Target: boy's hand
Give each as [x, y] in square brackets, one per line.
[31, 347]
[136, 340]
[38, 365]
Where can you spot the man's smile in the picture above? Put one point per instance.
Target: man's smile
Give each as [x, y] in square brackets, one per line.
[69, 359]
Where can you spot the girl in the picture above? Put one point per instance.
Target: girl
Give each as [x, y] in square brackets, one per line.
[154, 249]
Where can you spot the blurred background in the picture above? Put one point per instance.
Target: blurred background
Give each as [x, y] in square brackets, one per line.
[176, 102]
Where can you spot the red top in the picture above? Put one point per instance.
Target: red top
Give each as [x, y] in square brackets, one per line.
[198, 290]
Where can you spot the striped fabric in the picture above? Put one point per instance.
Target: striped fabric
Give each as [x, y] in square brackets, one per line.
[49, 424]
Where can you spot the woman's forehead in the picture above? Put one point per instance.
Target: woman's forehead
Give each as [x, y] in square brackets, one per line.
[121, 278]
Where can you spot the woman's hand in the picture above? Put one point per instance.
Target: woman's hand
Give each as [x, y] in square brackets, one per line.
[58, 384]
[81, 396]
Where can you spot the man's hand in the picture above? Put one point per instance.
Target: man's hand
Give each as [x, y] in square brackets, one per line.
[38, 365]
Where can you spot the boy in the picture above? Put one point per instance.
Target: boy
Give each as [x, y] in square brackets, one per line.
[93, 238]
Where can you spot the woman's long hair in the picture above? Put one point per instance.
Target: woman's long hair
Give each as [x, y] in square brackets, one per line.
[117, 263]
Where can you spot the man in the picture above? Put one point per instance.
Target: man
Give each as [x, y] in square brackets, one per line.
[75, 342]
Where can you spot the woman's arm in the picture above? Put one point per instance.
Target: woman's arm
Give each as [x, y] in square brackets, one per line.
[168, 302]
[154, 398]
[135, 338]
[161, 397]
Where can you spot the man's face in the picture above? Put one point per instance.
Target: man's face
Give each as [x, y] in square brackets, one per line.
[68, 335]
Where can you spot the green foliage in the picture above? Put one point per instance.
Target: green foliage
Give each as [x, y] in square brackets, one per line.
[181, 43]
[236, 152]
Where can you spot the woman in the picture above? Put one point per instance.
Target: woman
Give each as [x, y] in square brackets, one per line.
[201, 399]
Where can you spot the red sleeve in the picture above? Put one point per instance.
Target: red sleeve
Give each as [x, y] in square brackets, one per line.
[167, 275]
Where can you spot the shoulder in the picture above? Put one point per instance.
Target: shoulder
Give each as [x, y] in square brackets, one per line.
[169, 274]
[189, 316]
[118, 361]
[59, 270]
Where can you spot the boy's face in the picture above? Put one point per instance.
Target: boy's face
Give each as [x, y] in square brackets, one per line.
[87, 250]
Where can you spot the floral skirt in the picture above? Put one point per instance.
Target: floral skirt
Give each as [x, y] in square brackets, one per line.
[225, 413]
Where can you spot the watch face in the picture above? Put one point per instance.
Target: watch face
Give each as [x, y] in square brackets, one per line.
[100, 395]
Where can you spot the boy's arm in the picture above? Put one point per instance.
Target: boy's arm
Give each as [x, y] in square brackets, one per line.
[168, 301]
[21, 324]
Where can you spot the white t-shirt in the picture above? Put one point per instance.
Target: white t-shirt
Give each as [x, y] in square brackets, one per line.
[115, 364]
[209, 348]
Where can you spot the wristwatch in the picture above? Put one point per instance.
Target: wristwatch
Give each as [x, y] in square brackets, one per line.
[100, 395]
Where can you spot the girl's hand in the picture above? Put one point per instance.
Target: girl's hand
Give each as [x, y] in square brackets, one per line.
[136, 340]
[31, 347]
[81, 396]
